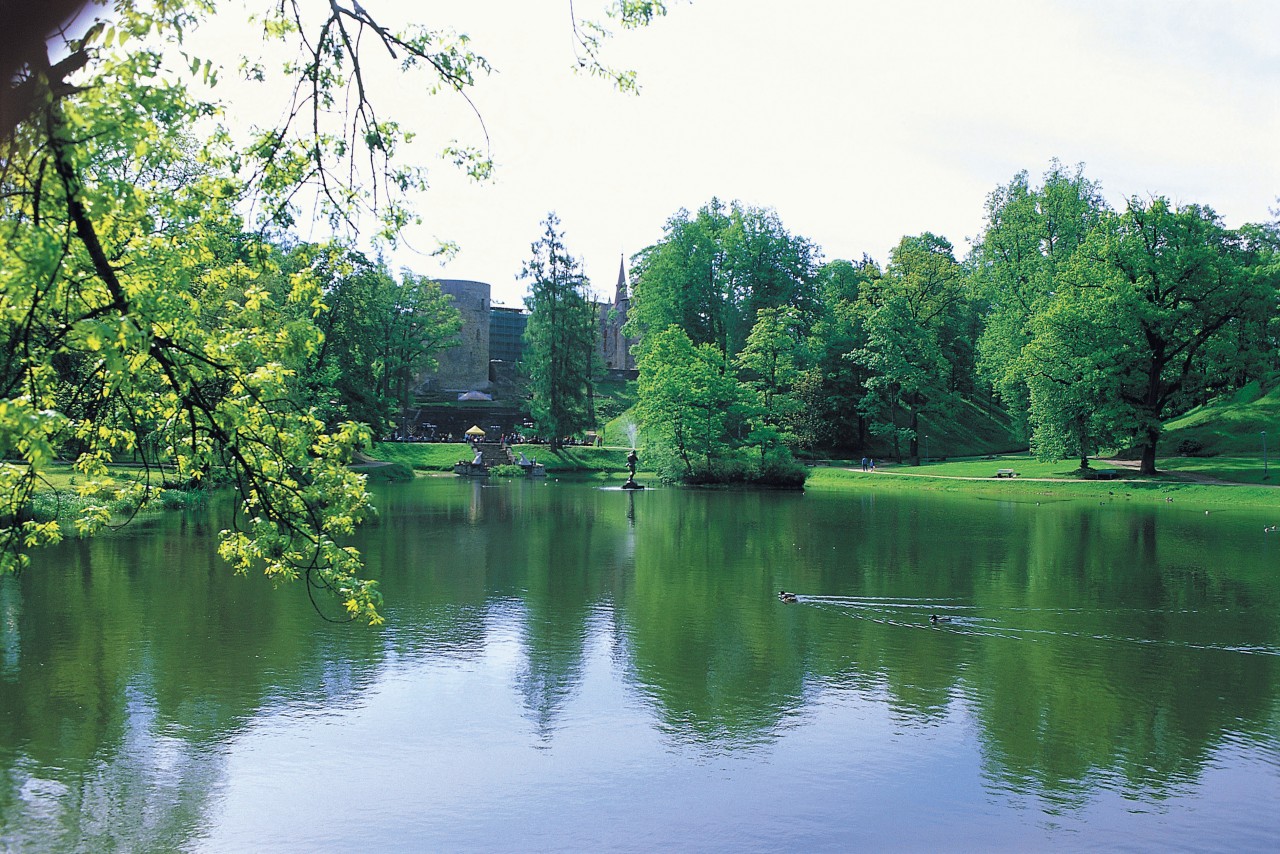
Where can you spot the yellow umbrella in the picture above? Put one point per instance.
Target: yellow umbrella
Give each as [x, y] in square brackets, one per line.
[475, 431]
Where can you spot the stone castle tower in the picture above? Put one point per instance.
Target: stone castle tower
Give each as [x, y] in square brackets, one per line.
[464, 366]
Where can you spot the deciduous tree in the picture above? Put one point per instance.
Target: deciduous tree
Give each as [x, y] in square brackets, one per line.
[769, 367]
[1030, 234]
[684, 400]
[840, 329]
[910, 326]
[1139, 317]
[712, 273]
[380, 335]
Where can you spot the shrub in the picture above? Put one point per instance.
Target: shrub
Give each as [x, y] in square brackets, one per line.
[781, 474]
[506, 470]
[1191, 448]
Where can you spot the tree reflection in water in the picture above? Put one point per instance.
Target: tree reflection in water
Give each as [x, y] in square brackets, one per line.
[1094, 649]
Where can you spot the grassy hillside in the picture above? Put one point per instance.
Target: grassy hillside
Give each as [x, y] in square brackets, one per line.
[973, 431]
[579, 458]
[1231, 425]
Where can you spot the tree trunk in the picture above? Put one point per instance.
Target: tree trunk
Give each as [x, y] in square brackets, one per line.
[1149, 452]
[914, 449]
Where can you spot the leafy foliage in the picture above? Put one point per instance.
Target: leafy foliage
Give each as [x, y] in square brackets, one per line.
[1031, 233]
[134, 322]
[769, 367]
[684, 403]
[1156, 307]
[914, 335]
[712, 273]
[380, 335]
[143, 312]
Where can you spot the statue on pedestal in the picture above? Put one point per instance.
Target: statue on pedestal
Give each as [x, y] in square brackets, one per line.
[632, 460]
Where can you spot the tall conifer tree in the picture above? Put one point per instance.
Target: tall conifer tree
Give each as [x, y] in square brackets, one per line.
[562, 336]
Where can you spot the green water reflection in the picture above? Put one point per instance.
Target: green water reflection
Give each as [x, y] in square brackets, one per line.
[1092, 649]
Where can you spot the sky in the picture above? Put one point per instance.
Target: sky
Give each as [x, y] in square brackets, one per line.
[858, 122]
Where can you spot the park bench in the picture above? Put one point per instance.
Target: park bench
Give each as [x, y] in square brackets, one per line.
[1006, 473]
[1107, 474]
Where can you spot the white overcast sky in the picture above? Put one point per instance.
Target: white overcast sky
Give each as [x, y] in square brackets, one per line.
[858, 121]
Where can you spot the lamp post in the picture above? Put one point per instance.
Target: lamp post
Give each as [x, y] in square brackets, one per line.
[1265, 474]
[926, 449]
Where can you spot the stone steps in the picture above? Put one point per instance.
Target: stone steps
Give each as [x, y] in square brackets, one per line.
[495, 453]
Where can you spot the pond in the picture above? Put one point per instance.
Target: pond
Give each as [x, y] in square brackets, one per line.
[566, 667]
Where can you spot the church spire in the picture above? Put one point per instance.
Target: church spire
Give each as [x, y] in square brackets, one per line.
[620, 295]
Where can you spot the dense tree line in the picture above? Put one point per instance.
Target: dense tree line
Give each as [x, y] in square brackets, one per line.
[1087, 326]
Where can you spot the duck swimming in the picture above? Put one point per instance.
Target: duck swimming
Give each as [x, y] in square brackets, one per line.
[935, 619]
[788, 597]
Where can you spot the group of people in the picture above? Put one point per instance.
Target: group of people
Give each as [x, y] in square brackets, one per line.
[868, 464]
[410, 435]
[516, 438]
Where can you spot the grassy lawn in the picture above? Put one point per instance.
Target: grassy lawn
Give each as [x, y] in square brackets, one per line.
[1241, 469]
[61, 477]
[579, 459]
[982, 467]
[427, 456]
[1172, 483]
[1236, 469]
[977, 467]
[56, 495]
[1242, 475]
[1245, 472]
